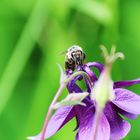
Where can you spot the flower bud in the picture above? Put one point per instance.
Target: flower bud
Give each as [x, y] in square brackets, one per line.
[103, 89]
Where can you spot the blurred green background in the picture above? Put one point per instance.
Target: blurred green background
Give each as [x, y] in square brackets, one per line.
[34, 32]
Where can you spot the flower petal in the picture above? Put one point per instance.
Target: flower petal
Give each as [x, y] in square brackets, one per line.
[97, 65]
[127, 83]
[58, 120]
[119, 127]
[87, 126]
[127, 100]
[73, 87]
[124, 113]
[90, 73]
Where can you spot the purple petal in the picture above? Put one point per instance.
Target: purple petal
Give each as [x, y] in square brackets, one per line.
[73, 87]
[119, 127]
[97, 65]
[77, 124]
[58, 120]
[79, 110]
[125, 114]
[120, 84]
[69, 72]
[90, 73]
[87, 126]
[88, 85]
[127, 100]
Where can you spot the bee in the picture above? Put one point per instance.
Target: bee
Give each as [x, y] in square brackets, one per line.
[74, 57]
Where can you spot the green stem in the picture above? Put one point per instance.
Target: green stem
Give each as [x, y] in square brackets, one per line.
[49, 113]
[97, 122]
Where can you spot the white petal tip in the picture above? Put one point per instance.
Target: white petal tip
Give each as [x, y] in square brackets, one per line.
[30, 138]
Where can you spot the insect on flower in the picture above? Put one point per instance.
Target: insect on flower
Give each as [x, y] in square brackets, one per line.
[111, 124]
[74, 57]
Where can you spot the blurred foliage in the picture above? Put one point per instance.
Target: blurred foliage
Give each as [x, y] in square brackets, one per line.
[34, 32]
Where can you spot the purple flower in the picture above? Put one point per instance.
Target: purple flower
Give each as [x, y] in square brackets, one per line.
[112, 125]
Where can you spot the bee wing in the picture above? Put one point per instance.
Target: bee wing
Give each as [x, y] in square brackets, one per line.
[62, 53]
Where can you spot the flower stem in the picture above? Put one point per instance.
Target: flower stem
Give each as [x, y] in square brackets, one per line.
[49, 113]
[97, 121]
